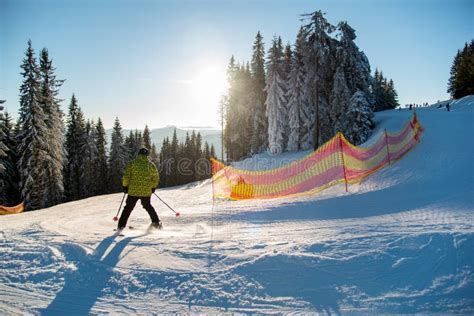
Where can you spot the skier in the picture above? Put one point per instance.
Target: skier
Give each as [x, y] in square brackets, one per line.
[447, 106]
[140, 180]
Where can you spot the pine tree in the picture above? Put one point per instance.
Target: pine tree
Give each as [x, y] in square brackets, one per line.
[259, 138]
[9, 177]
[103, 172]
[89, 181]
[130, 145]
[320, 64]
[275, 102]
[76, 139]
[340, 99]
[223, 106]
[239, 118]
[351, 82]
[147, 138]
[384, 95]
[4, 152]
[32, 134]
[54, 164]
[173, 156]
[359, 114]
[3, 147]
[299, 111]
[163, 167]
[117, 158]
[461, 81]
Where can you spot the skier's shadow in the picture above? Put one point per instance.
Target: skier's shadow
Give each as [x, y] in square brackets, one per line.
[85, 285]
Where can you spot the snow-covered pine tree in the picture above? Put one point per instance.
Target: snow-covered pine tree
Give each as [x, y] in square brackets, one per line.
[54, 164]
[130, 145]
[299, 111]
[3, 147]
[89, 180]
[259, 137]
[117, 158]
[4, 151]
[32, 137]
[9, 179]
[239, 117]
[360, 115]
[103, 170]
[76, 139]
[286, 66]
[352, 77]
[340, 99]
[276, 100]
[320, 66]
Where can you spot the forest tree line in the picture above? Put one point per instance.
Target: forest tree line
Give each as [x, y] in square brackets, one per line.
[461, 79]
[47, 157]
[298, 96]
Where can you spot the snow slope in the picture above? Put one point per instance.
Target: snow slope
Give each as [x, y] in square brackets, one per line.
[400, 242]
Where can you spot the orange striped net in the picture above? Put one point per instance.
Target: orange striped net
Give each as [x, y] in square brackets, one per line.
[337, 161]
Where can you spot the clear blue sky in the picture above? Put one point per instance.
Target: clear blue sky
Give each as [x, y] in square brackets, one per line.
[156, 62]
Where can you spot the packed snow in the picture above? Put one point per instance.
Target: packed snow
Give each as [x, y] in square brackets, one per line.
[399, 242]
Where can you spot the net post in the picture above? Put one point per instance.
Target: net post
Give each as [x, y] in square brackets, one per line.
[341, 152]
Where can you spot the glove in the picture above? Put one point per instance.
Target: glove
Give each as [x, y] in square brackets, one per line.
[125, 189]
[153, 190]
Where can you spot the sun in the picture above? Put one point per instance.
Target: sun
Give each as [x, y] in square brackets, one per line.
[209, 84]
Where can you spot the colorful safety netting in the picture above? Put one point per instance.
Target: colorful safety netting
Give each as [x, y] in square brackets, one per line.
[337, 161]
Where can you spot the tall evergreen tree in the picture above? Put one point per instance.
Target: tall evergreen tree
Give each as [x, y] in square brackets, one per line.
[130, 144]
[103, 172]
[320, 64]
[299, 111]
[147, 138]
[351, 82]
[259, 138]
[461, 81]
[359, 113]
[117, 158]
[384, 95]
[9, 177]
[76, 138]
[223, 106]
[54, 164]
[3, 147]
[275, 102]
[4, 152]
[89, 181]
[32, 134]
[239, 117]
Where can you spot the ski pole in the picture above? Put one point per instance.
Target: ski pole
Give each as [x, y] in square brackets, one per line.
[116, 216]
[177, 213]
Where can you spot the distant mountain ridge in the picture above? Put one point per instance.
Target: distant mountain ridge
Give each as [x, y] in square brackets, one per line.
[210, 135]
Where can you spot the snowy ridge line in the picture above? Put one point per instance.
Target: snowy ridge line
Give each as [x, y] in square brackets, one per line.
[336, 161]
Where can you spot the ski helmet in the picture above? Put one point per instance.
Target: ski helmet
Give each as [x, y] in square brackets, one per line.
[143, 151]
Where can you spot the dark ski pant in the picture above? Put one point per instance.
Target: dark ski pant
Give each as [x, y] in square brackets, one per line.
[130, 204]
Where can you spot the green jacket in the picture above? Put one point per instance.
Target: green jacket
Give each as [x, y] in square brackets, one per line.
[140, 177]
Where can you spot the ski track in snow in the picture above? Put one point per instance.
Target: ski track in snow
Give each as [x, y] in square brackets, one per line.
[400, 242]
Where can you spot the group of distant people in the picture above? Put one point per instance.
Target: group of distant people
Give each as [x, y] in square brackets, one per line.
[425, 104]
[414, 105]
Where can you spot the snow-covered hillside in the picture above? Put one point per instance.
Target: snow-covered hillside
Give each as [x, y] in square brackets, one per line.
[400, 242]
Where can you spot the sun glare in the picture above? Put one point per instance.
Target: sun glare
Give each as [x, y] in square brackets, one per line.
[209, 84]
